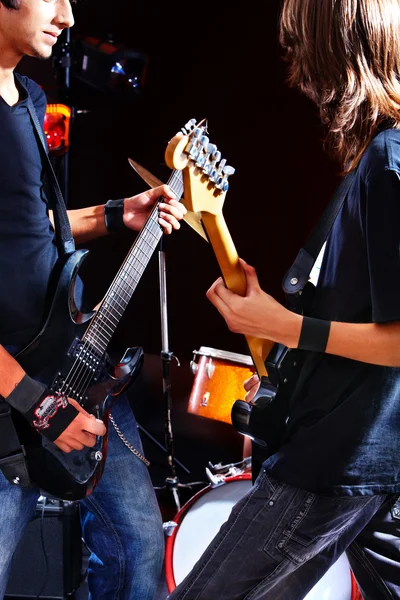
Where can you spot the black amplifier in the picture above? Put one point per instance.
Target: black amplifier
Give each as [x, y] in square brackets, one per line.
[48, 559]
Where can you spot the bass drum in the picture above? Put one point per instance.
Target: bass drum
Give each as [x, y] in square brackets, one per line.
[199, 521]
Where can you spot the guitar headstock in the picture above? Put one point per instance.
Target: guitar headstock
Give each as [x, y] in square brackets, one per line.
[205, 172]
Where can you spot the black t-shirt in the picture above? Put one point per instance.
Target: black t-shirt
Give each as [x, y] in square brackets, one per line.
[343, 435]
[27, 246]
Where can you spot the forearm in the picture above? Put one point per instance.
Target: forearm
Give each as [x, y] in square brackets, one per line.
[86, 223]
[11, 373]
[378, 344]
[373, 343]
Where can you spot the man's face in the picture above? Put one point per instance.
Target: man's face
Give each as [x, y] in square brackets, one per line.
[33, 28]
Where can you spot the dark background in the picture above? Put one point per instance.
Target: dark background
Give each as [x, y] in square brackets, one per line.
[222, 62]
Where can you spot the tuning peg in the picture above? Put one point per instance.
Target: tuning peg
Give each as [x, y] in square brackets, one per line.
[223, 184]
[190, 125]
[229, 170]
[208, 163]
[201, 158]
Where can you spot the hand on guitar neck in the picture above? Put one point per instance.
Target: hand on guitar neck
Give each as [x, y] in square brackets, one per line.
[255, 314]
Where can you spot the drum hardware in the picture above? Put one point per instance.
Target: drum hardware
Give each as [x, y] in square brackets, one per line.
[242, 465]
[169, 527]
[172, 483]
[219, 474]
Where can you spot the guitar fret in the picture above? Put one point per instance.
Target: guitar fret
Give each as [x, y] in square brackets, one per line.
[120, 292]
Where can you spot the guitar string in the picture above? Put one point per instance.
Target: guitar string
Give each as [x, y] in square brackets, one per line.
[93, 337]
[94, 341]
[92, 334]
[91, 341]
[126, 288]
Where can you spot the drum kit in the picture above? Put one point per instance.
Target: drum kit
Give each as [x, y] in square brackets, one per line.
[218, 382]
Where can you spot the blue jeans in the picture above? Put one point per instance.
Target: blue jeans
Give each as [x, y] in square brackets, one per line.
[280, 540]
[121, 521]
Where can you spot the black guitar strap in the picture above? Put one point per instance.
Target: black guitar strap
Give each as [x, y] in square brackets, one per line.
[64, 237]
[12, 456]
[296, 278]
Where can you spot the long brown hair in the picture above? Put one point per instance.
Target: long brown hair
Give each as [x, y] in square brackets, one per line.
[345, 55]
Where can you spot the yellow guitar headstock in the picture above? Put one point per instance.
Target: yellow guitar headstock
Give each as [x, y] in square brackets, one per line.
[205, 172]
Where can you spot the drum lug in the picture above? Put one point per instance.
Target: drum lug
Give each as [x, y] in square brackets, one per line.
[169, 527]
[215, 480]
[194, 367]
[210, 368]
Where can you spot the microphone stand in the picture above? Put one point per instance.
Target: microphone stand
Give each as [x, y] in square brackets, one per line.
[172, 481]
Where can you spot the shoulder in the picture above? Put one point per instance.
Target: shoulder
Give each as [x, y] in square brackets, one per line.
[36, 93]
[381, 156]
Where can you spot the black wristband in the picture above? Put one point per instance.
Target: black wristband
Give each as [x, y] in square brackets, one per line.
[49, 413]
[26, 394]
[314, 334]
[114, 215]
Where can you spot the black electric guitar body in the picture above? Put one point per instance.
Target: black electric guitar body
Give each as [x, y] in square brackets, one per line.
[69, 355]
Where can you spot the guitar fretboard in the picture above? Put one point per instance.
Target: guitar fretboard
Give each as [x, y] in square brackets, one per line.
[112, 307]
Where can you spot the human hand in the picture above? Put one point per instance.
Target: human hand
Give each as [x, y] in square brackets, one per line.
[256, 314]
[251, 386]
[138, 208]
[81, 432]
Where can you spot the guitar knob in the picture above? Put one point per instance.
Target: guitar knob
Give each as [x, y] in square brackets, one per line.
[96, 456]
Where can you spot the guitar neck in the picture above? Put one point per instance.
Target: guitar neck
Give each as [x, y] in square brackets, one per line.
[235, 279]
[114, 303]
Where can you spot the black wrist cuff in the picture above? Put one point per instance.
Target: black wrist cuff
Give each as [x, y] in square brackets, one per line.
[26, 394]
[49, 413]
[114, 215]
[314, 334]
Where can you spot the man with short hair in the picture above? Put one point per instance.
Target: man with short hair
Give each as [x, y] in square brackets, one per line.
[121, 520]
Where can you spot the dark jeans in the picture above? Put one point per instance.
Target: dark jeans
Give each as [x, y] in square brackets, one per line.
[280, 540]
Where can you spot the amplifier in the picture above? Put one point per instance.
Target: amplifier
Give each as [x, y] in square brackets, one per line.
[48, 559]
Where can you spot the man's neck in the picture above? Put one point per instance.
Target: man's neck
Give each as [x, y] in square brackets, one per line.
[8, 89]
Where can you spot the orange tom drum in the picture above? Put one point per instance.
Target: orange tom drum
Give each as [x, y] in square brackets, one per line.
[218, 382]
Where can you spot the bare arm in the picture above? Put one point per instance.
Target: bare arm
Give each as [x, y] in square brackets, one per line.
[258, 314]
[88, 223]
[80, 432]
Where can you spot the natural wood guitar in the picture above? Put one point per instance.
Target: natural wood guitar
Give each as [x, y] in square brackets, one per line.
[205, 183]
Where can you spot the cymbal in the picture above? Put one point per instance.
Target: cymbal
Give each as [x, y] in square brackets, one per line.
[191, 218]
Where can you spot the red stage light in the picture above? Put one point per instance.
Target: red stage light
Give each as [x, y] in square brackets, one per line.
[56, 127]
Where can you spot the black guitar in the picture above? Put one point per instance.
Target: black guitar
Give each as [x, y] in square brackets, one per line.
[205, 177]
[70, 356]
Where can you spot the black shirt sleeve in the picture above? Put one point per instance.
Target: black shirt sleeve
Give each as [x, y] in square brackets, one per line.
[382, 236]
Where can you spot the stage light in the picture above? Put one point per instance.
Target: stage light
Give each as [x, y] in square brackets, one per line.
[108, 67]
[56, 128]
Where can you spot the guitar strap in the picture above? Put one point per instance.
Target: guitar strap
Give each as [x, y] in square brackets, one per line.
[12, 456]
[297, 276]
[64, 237]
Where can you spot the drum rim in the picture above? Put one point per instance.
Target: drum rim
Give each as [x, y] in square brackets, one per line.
[170, 541]
[243, 359]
